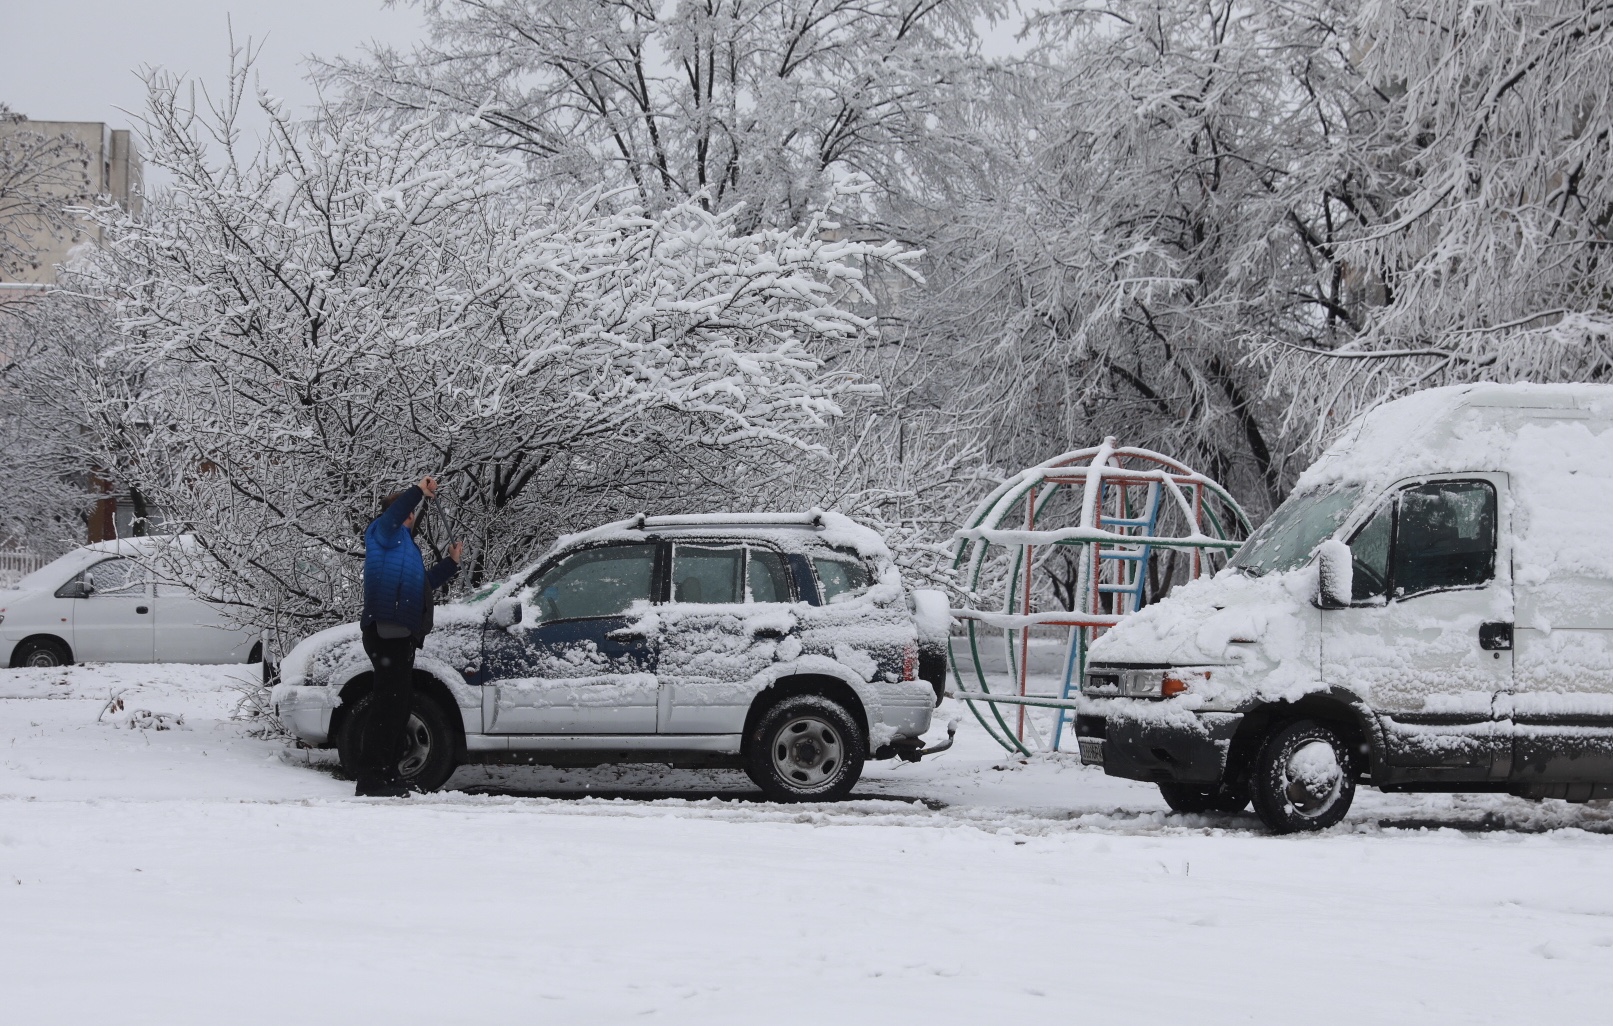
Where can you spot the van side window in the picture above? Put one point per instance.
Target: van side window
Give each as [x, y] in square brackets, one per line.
[1445, 537]
[1369, 556]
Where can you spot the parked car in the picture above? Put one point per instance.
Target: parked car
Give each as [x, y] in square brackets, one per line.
[1431, 610]
[103, 603]
[784, 644]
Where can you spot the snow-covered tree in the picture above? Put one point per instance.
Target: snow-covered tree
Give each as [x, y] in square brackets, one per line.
[1478, 250]
[42, 176]
[760, 102]
[368, 300]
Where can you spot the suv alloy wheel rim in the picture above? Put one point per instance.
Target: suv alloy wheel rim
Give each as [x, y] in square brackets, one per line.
[807, 751]
[416, 749]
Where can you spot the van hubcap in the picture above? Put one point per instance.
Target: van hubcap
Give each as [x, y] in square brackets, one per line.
[1312, 777]
[807, 751]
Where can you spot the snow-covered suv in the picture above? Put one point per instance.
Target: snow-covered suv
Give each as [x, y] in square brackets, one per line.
[781, 643]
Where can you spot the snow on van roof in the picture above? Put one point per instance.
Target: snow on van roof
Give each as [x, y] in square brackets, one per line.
[1452, 429]
[835, 530]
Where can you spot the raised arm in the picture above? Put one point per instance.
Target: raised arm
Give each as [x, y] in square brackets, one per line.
[389, 525]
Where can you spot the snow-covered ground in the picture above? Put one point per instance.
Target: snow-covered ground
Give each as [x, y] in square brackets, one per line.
[207, 875]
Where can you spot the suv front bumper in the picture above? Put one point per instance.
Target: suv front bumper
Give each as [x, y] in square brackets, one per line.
[306, 711]
[1182, 749]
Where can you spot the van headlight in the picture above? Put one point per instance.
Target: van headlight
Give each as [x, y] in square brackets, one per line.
[1154, 683]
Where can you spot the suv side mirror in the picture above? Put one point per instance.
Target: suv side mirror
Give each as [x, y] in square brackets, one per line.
[1336, 573]
[507, 613]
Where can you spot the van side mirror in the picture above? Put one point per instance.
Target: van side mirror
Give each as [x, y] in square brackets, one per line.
[507, 613]
[1335, 572]
[79, 587]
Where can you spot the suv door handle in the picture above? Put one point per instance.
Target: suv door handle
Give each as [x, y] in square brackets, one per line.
[1495, 636]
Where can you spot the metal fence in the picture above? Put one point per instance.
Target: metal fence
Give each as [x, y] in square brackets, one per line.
[13, 565]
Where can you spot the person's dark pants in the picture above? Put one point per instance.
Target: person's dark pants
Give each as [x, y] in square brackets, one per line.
[381, 744]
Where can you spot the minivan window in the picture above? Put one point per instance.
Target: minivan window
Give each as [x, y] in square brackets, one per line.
[119, 576]
[840, 577]
[595, 582]
[1445, 537]
[707, 574]
[1287, 539]
[1369, 556]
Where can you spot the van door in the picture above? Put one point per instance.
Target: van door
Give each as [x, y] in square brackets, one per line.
[113, 622]
[1562, 701]
[1426, 641]
[577, 662]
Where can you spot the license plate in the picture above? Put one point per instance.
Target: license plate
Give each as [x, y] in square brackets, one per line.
[1091, 751]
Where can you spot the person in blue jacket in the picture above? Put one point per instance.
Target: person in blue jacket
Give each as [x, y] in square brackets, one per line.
[396, 620]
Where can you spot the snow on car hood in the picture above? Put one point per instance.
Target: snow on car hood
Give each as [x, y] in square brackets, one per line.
[1266, 624]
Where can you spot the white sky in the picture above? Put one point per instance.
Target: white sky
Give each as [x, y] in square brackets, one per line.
[77, 60]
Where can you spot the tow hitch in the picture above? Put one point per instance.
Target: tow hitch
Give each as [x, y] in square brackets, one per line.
[911, 753]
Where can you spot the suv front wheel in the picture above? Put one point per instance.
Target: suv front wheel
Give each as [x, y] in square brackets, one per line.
[805, 748]
[428, 755]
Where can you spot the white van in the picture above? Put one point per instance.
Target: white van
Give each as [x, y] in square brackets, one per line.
[103, 603]
[1431, 610]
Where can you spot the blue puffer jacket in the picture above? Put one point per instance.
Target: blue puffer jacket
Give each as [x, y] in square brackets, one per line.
[397, 585]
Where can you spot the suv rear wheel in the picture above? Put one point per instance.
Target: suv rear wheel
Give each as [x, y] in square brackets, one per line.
[805, 748]
[1303, 779]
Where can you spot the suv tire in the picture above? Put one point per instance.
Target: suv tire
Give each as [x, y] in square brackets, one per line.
[430, 756]
[41, 652]
[805, 748]
[1193, 798]
[1303, 779]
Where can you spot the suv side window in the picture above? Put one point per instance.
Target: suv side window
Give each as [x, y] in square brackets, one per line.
[708, 574]
[840, 577]
[766, 577]
[595, 582]
[1444, 537]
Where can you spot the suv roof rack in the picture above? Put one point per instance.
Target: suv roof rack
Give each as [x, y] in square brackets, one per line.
[812, 519]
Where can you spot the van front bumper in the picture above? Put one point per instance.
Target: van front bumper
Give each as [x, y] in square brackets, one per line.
[1184, 749]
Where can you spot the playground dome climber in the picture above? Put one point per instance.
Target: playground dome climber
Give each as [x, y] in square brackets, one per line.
[1072, 545]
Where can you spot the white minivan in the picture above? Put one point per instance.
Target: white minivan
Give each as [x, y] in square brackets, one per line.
[102, 603]
[1431, 610]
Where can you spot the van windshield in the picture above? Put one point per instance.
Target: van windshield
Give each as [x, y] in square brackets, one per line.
[1287, 539]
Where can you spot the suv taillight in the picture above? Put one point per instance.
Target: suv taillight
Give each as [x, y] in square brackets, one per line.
[910, 662]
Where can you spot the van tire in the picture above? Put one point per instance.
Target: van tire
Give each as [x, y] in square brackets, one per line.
[1303, 778]
[431, 756]
[41, 652]
[1192, 798]
[805, 748]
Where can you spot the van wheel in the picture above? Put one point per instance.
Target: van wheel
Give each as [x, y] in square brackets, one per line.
[41, 652]
[806, 748]
[1192, 798]
[428, 751]
[1303, 779]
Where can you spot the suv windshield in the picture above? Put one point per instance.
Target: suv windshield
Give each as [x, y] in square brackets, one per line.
[1287, 539]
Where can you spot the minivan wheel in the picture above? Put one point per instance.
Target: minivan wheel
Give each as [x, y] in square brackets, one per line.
[428, 749]
[41, 652]
[806, 748]
[1304, 778]
[1193, 798]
